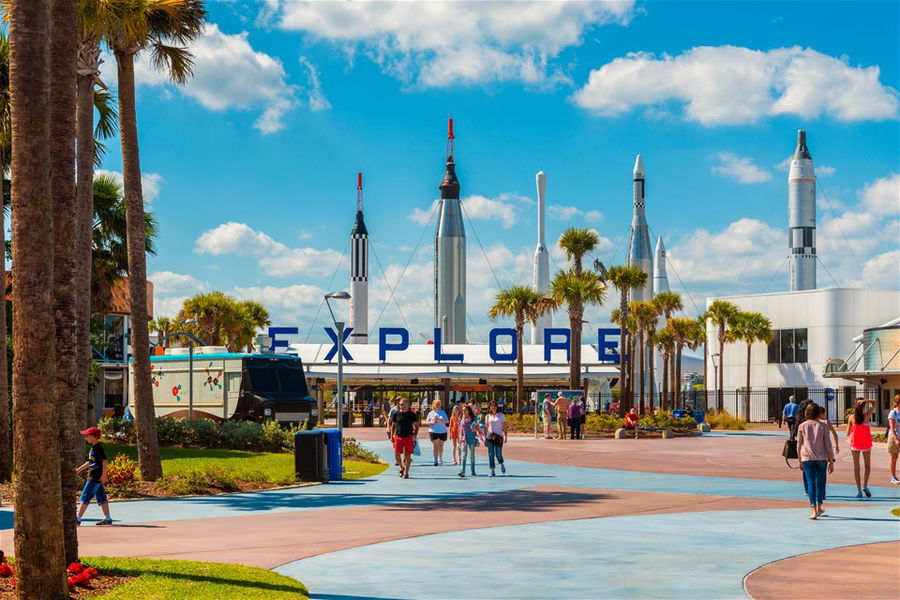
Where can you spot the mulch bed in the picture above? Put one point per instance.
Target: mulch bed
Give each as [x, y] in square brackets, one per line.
[96, 587]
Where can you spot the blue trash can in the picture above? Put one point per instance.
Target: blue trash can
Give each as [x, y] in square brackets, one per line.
[679, 413]
[699, 415]
[335, 451]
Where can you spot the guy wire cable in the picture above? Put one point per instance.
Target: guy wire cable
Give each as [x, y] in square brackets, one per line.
[322, 302]
[384, 276]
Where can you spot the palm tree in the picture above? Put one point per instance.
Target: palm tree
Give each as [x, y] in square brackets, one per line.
[5, 157]
[249, 317]
[664, 341]
[751, 327]
[645, 320]
[624, 278]
[576, 243]
[214, 313]
[682, 330]
[721, 314]
[667, 303]
[153, 25]
[39, 531]
[163, 326]
[523, 304]
[576, 291]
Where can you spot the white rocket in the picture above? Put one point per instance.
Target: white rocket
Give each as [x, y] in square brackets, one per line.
[450, 257]
[639, 252]
[359, 272]
[660, 278]
[541, 280]
[802, 218]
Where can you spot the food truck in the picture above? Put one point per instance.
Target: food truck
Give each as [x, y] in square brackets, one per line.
[231, 385]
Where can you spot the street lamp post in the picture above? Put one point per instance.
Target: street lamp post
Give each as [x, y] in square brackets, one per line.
[339, 326]
[720, 401]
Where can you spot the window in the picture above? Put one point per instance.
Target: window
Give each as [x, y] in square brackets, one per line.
[788, 346]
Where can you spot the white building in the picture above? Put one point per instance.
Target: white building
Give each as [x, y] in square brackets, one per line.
[810, 327]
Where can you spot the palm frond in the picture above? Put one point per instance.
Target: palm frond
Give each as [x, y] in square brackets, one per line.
[176, 62]
[108, 115]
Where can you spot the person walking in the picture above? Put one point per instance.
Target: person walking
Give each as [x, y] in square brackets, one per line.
[547, 415]
[495, 426]
[562, 411]
[469, 431]
[859, 430]
[576, 412]
[893, 438]
[816, 456]
[455, 417]
[789, 416]
[95, 486]
[404, 428]
[437, 422]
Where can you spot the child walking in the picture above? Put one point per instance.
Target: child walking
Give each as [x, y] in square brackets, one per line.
[96, 466]
[469, 431]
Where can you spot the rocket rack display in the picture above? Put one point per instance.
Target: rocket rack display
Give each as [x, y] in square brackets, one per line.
[359, 272]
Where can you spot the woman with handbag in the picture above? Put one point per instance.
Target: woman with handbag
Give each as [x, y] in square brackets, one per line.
[816, 456]
[495, 423]
[469, 431]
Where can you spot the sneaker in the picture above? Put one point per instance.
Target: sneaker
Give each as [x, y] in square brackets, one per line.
[440, 461]
[503, 468]
[462, 474]
[859, 494]
[473, 474]
[435, 462]
[78, 522]
[406, 475]
[492, 474]
[867, 492]
[106, 521]
[895, 481]
[401, 473]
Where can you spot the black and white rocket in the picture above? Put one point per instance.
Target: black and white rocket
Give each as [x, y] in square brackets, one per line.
[450, 256]
[359, 272]
[541, 279]
[660, 277]
[802, 218]
[640, 253]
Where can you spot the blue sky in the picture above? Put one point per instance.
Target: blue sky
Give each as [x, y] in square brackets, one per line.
[251, 166]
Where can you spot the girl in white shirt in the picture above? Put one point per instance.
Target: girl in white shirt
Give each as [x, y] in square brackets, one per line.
[437, 421]
[495, 425]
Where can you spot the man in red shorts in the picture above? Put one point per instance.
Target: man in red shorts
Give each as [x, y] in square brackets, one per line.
[404, 428]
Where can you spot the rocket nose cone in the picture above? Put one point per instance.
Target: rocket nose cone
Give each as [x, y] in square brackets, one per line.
[638, 165]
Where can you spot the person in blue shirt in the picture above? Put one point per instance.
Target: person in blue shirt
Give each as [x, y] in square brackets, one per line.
[789, 415]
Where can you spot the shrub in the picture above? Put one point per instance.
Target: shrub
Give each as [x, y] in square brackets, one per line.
[602, 422]
[241, 435]
[275, 438]
[205, 433]
[725, 420]
[171, 432]
[520, 422]
[665, 419]
[117, 430]
[120, 474]
[353, 449]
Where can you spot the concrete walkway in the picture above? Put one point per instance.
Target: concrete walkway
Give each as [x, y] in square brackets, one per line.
[613, 518]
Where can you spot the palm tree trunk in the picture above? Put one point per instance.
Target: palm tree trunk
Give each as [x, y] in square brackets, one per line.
[520, 370]
[623, 383]
[145, 415]
[84, 202]
[631, 370]
[747, 398]
[663, 402]
[5, 439]
[39, 529]
[640, 348]
[679, 401]
[721, 391]
[575, 346]
[62, 187]
[650, 358]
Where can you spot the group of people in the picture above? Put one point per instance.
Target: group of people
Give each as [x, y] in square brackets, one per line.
[466, 426]
[810, 427]
[568, 412]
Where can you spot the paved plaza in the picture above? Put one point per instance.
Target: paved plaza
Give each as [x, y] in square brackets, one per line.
[702, 517]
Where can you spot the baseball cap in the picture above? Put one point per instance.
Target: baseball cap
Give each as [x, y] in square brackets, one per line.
[92, 431]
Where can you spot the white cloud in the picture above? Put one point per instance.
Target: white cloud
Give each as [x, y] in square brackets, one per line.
[567, 213]
[236, 238]
[882, 196]
[504, 209]
[883, 268]
[740, 169]
[438, 44]
[288, 305]
[167, 306]
[167, 282]
[593, 216]
[316, 97]
[150, 183]
[301, 261]
[228, 74]
[725, 85]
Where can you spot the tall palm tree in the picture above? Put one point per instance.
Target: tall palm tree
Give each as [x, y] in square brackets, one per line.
[576, 243]
[5, 158]
[667, 303]
[214, 313]
[664, 341]
[751, 327]
[624, 278]
[157, 26]
[576, 291]
[682, 330]
[522, 304]
[249, 317]
[645, 319]
[39, 529]
[721, 314]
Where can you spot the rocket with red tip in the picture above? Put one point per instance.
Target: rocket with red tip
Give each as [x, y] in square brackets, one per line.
[450, 256]
[359, 272]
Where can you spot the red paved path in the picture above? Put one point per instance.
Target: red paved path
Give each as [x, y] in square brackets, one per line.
[867, 572]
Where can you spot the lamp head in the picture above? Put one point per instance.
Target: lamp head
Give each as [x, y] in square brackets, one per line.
[339, 295]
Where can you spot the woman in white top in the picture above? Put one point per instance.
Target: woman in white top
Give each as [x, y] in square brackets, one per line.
[893, 441]
[495, 425]
[437, 421]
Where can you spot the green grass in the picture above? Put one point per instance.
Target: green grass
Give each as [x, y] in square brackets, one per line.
[193, 470]
[896, 512]
[184, 580]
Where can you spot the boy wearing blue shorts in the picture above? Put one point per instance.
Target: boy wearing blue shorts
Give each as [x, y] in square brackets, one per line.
[96, 466]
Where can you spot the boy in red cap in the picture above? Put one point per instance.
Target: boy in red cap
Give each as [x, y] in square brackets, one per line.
[96, 467]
